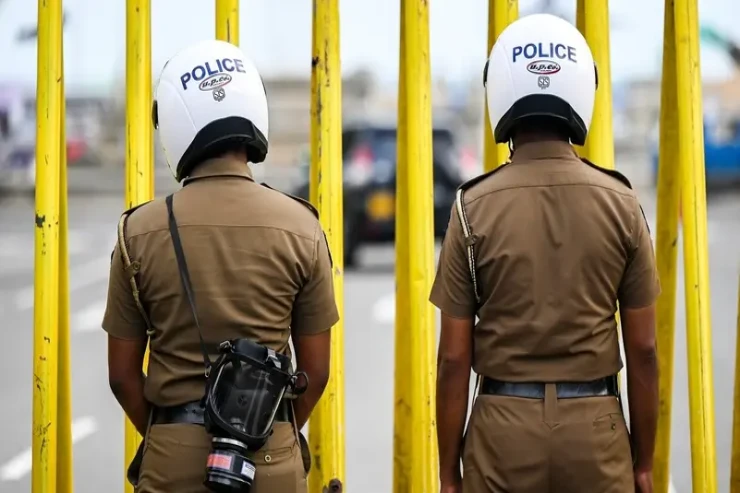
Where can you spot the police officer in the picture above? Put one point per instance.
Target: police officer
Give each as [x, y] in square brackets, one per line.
[259, 267]
[543, 250]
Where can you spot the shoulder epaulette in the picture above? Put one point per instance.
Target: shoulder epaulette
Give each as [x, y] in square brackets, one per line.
[131, 267]
[130, 211]
[611, 172]
[480, 178]
[305, 203]
[470, 237]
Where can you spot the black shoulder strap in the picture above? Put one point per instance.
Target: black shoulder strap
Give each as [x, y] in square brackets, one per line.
[611, 172]
[305, 203]
[470, 238]
[131, 268]
[182, 267]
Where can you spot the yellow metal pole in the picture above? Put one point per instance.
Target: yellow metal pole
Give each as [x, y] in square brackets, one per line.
[402, 419]
[139, 149]
[500, 14]
[735, 465]
[696, 260]
[227, 21]
[326, 426]
[667, 250]
[46, 260]
[417, 147]
[592, 19]
[65, 483]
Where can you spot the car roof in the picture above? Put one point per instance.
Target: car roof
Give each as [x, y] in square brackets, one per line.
[386, 124]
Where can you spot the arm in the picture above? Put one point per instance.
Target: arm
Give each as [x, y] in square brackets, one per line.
[125, 360]
[637, 294]
[454, 361]
[642, 381]
[127, 341]
[316, 367]
[314, 313]
[452, 292]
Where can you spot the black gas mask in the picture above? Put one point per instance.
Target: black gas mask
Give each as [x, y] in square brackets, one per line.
[245, 389]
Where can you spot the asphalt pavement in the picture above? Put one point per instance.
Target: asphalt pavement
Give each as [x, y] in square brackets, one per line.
[369, 309]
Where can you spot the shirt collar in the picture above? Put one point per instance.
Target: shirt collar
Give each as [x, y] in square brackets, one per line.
[220, 167]
[549, 149]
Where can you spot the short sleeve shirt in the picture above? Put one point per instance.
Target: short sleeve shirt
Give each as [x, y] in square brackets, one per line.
[559, 245]
[259, 264]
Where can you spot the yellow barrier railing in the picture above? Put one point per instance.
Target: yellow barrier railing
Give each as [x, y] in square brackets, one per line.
[52, 421]
[666, 249]
[414, 454]
[500, 15]
[326, 425]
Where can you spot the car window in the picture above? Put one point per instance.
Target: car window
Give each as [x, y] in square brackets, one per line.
[384, 144]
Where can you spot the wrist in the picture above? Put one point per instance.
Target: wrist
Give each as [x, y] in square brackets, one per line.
[643, 466]
[451, 476]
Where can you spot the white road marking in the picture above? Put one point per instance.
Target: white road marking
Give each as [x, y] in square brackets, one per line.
[384, 310]
[21, 245]
[80, 277]
[90, 318]
[20, 465]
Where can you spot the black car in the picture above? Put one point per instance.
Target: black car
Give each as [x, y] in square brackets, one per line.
[369, 157]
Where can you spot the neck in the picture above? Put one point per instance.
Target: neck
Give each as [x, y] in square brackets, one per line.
[522, 138]
[236, 156]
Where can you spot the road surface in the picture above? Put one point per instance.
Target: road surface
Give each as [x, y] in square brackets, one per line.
[369, 308]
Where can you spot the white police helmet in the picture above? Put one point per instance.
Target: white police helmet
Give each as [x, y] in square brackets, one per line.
[540, 65]
[209, 94]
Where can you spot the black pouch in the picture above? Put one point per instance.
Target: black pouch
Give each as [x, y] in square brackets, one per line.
[305, 452]
[134, 469]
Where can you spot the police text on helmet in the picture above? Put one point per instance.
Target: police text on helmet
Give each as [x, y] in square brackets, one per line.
[210, 69]
[544, 50]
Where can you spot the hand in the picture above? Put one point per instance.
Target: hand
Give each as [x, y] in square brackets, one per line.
[644, 480]
[454, 487]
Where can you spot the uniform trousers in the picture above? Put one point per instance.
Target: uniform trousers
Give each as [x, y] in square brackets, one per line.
[519, 445]
[175, 458]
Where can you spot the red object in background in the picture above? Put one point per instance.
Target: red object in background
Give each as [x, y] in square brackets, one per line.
[75, 150]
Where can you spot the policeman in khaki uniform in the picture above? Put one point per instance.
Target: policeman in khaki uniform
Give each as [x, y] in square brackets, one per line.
[259, 267]
[543, 250]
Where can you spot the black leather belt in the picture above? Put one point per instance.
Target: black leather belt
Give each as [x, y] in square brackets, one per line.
[192, 413]
[536, 390]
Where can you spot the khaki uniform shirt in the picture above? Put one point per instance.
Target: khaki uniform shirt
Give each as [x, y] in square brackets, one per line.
[559, 244]
[259, 264]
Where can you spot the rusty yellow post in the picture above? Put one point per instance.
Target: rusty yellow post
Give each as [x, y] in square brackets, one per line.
[666, 251]
[416, 444]
[592, 19]
[46, 311]
[65, 483]
[501, 13]
[227, 21]
[402, 420]
[139, 146]
[326, 425]
[690, 154]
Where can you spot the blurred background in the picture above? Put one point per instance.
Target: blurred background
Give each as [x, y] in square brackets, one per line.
[278, 37]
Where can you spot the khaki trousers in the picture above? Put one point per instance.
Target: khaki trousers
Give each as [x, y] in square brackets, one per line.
[516, 445]
[175, 461]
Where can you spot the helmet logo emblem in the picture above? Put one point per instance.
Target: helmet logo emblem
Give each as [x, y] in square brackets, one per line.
[543, 67]
[215, 84]
[543, 81]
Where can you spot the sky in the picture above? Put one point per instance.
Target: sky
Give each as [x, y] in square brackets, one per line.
[277, 35]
